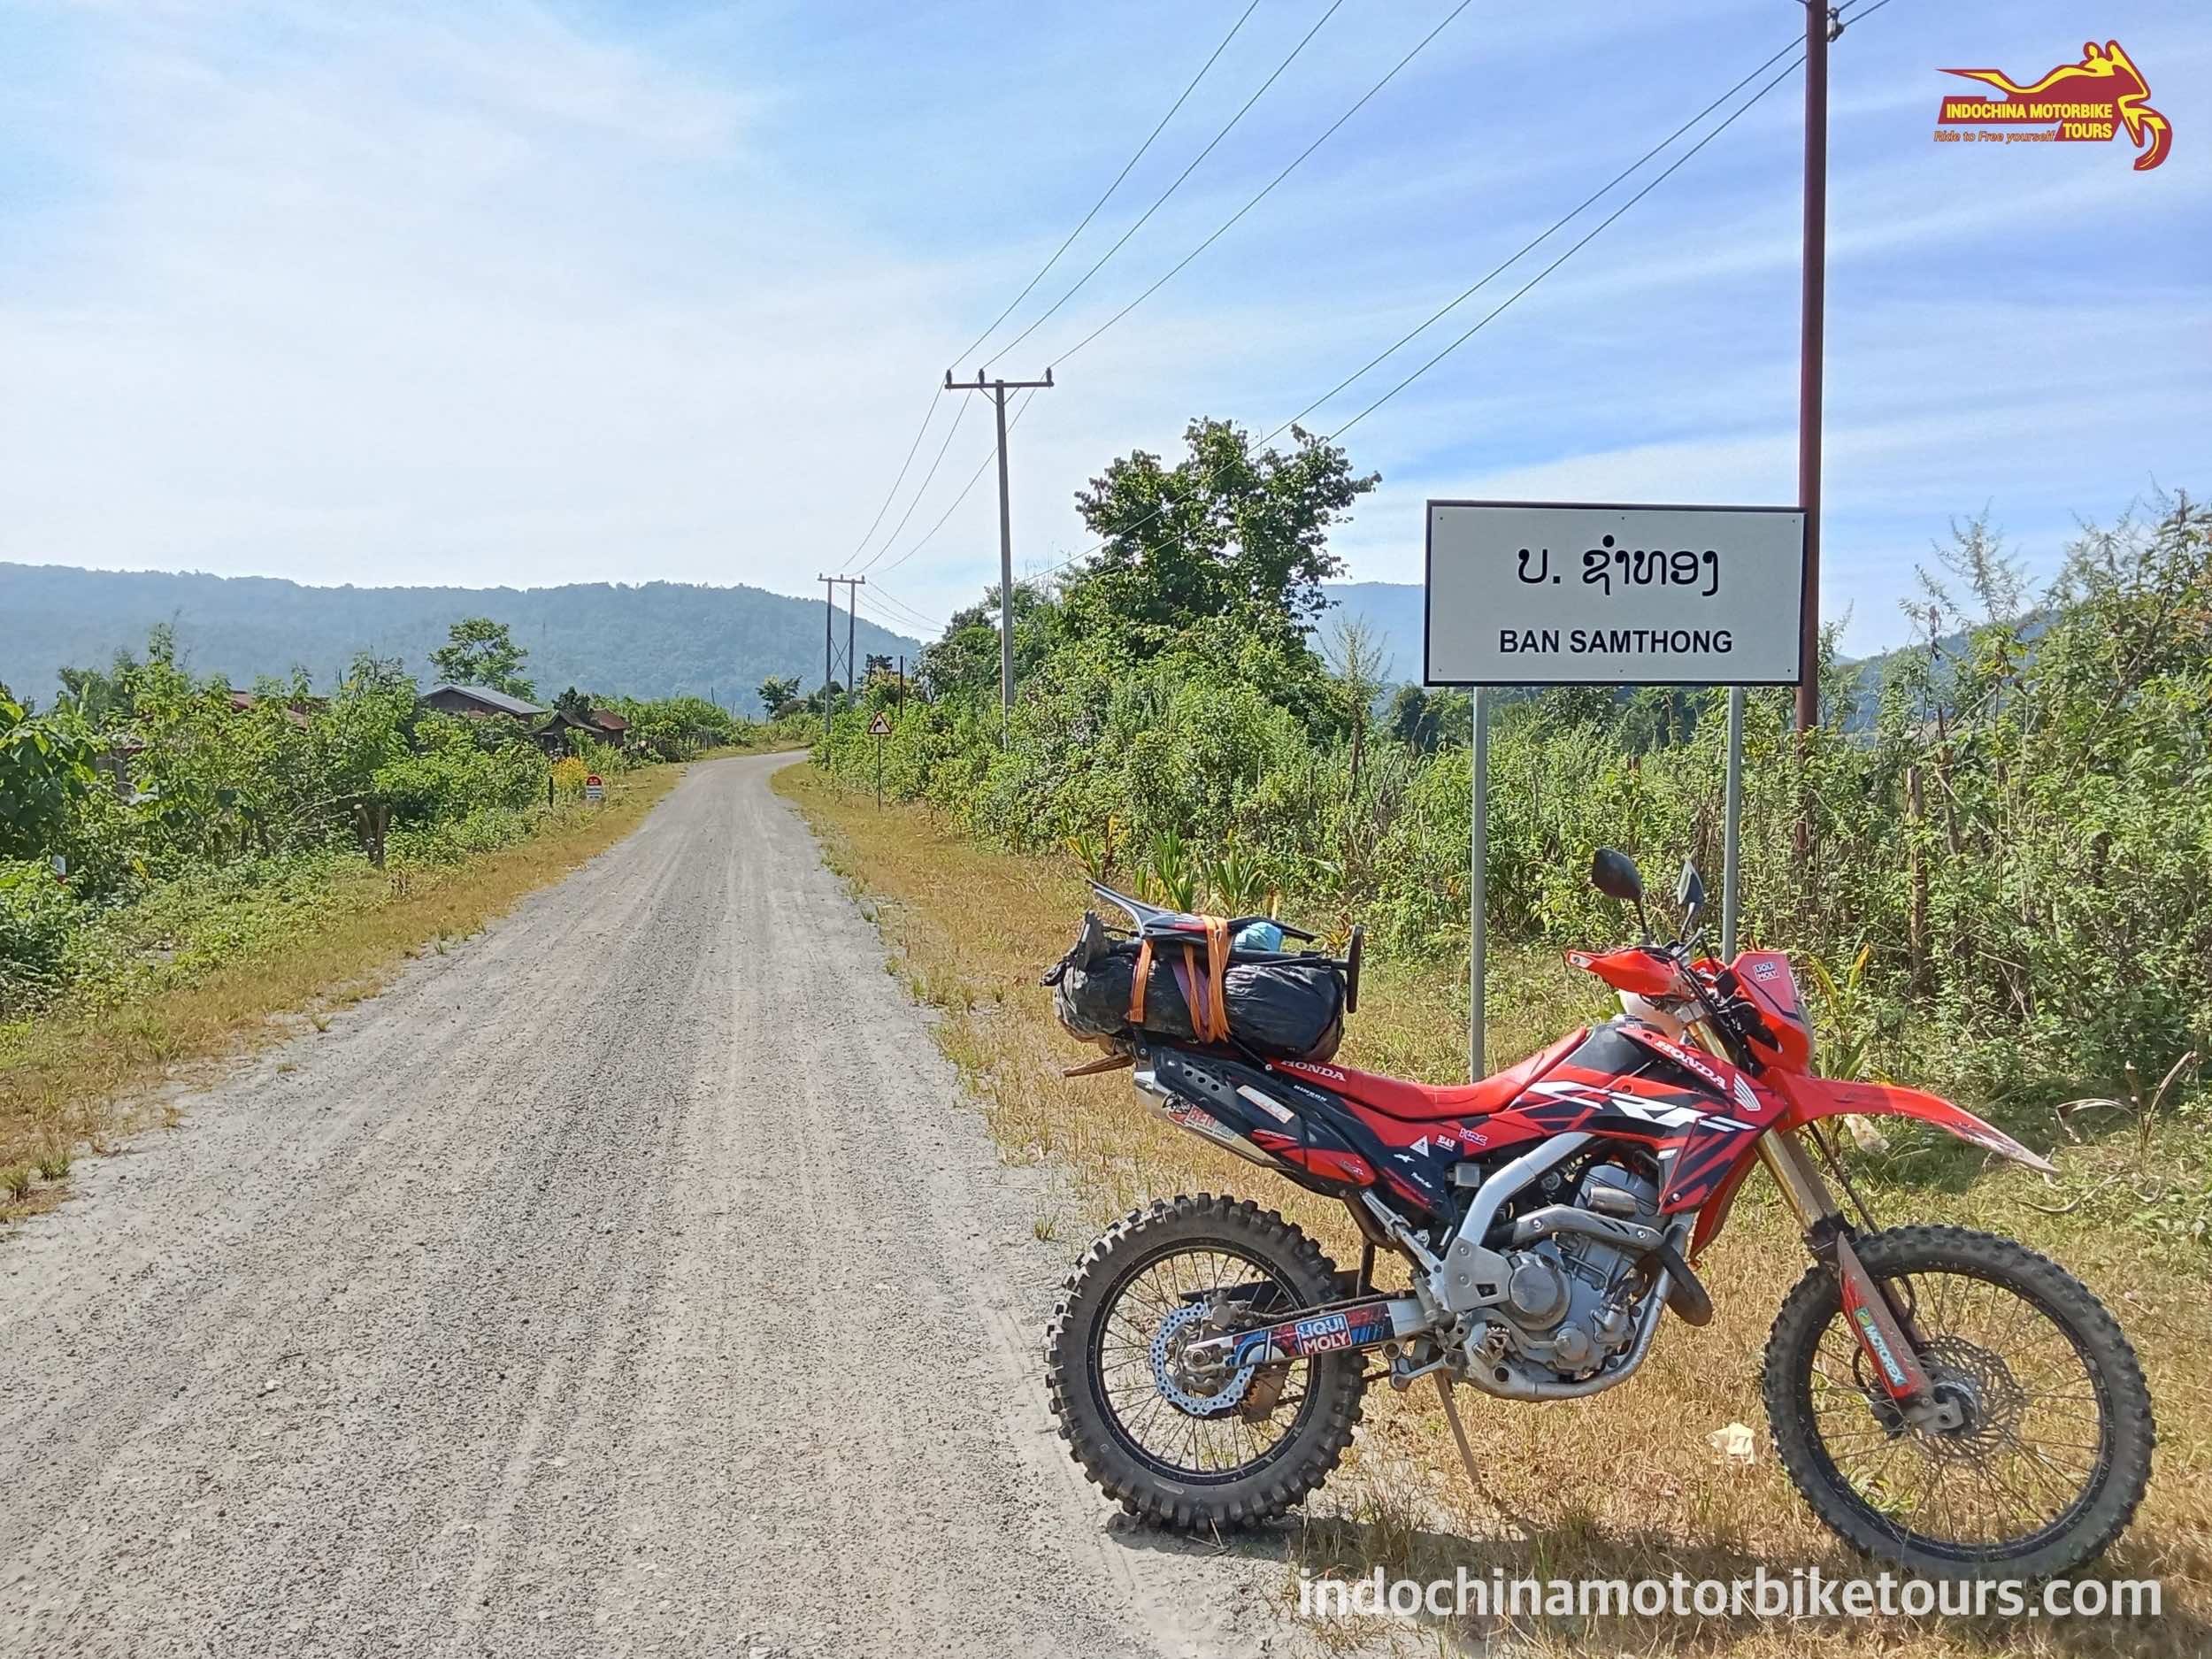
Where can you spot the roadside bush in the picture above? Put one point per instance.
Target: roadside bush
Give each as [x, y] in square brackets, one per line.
[459, 765]
[178, 929]
[481, 830]
[2009, 857]
[196, 822]
[37, 916]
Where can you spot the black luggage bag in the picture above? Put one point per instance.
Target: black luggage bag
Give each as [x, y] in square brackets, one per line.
[1285, 1008]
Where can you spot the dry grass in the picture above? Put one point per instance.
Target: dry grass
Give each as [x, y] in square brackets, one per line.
[83, 1080]
[1622, 1485]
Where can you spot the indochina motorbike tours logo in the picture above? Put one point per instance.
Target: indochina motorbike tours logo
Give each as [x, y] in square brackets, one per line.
[2090, 102]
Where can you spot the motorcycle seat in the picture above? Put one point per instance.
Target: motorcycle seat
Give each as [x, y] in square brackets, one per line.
[1423, 1103]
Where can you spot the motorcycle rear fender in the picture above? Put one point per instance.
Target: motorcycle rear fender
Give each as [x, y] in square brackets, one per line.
[1813, 1098]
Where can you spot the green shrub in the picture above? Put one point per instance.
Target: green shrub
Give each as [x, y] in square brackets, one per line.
[38, 916]
[459, 766]
[2007, 873]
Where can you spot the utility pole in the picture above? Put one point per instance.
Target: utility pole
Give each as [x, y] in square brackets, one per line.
[998, 390]
[829, 637]
[1821, 26]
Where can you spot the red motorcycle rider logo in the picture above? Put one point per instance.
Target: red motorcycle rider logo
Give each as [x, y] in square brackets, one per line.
[2089, 102]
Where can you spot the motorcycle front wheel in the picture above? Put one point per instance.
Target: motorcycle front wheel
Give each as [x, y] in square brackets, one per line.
[2053, 1450]
[1174, 1440]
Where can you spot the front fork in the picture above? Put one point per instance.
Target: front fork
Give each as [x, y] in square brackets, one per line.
[1874, 1320]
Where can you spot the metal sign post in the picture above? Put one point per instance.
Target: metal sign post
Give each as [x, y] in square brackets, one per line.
[880, 728]
[1732, 826]
[1576, 594]
[1478, 889]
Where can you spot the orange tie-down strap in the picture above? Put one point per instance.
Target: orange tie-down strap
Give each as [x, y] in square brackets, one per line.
[1217, 978]
[1209, 997]
[1137, 984]
[1206, 991]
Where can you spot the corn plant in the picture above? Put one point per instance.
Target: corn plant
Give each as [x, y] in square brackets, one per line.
[1238, 879]
[1172, 871]
[1093, 852]
[1853, 1017]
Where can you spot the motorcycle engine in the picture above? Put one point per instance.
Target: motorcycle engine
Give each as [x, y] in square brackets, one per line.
[1568, 1302]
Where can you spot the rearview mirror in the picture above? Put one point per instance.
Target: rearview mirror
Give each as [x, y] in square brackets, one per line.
[1689, 894]
[1614, 874]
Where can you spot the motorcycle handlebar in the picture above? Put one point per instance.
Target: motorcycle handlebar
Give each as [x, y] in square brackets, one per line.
[1734, 1019]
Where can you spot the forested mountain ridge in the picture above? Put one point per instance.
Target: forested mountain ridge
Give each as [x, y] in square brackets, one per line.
[647, 639]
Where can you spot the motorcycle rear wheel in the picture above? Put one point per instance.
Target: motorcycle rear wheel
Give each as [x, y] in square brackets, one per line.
[1197, 1470]
[2054, 1454]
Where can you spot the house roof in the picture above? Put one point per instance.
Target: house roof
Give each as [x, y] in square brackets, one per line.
[490, 699]
[603, 721]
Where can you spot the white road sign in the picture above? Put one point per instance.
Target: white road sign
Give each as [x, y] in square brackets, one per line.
[1562, 594]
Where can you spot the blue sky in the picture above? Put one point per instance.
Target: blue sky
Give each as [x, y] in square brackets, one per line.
[531, 293]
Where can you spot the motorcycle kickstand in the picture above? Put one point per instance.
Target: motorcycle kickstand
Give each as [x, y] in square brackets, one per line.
[1467, 1460]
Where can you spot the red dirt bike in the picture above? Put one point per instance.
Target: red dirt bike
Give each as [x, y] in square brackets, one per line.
[1946, 1401]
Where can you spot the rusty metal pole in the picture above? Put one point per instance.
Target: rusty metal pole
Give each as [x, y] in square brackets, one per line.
[1811, 313]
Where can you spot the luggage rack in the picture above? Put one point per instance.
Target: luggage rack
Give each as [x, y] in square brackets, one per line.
[1153, 923]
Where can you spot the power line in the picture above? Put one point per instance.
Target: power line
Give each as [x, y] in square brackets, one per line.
[1028, 287]
[903, 617]
[1171, 188]
[966, 489]
[893, 603]
[1525, 249]
[1661, 178]
[1327, 132]
[1171, 273]
[920, 489]
[1530, 246]
[928, 410]
[897, 613]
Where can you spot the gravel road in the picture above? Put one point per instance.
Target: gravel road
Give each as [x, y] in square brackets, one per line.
[632, 1279]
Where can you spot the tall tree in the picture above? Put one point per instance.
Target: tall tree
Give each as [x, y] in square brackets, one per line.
[965, 662]
[778, 693]
[479, 651]
[1226, 532]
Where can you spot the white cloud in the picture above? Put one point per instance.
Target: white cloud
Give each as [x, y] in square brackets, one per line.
[495, 292]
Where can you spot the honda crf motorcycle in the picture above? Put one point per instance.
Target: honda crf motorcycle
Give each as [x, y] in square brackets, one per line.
[1946, 1401]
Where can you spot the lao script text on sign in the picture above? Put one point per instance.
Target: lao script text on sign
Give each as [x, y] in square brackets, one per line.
[1557, 594]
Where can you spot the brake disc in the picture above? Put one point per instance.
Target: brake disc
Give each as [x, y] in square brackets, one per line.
[1172, 1378]
[1990, 1397]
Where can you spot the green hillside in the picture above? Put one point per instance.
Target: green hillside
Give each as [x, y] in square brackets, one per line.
[651, 640]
